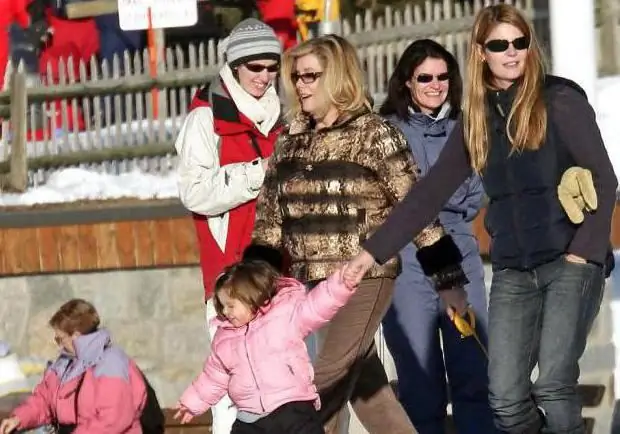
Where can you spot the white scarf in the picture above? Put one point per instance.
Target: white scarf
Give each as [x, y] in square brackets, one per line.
[264, 111]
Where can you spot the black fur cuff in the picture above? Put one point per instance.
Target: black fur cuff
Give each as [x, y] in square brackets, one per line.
[268, 254]
[441, 262]
[450, 278]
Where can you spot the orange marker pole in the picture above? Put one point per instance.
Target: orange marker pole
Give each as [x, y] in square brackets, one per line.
[152, 47]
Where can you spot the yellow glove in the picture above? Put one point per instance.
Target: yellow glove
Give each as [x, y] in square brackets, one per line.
[466, 325]
[577, 194]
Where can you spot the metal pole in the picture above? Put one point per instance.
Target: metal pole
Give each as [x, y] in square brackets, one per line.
[327, 26]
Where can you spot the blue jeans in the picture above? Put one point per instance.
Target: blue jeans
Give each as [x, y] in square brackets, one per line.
[540, 316]
[412, 328]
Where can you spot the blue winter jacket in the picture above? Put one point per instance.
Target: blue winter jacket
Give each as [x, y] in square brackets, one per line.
[426, 137]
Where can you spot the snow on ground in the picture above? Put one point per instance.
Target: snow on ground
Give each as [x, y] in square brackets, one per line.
[70, 185]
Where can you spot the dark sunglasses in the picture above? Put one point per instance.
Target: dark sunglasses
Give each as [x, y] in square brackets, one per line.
[255, 67]
[427, 78]
[501, 45]
[306, 77]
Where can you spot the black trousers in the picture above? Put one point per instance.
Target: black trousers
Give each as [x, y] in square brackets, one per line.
[290, 418]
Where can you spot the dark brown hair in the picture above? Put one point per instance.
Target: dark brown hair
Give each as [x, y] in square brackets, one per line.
[399, 96]
[254, 283]
[76, 315]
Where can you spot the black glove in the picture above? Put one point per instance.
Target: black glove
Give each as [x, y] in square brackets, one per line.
[441, 262]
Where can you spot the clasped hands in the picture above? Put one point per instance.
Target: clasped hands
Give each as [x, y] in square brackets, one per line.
[576, 194]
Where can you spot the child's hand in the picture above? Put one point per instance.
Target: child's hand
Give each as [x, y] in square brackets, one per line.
[351, 284]
[183, 414]
[357, 267]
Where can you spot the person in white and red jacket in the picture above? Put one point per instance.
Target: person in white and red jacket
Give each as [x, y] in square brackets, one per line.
[224, 147]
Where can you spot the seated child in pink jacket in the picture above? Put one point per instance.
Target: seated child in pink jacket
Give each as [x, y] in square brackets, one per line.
[109, 389]
[259, 356]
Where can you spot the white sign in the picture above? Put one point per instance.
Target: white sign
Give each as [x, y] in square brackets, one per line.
[133, 14]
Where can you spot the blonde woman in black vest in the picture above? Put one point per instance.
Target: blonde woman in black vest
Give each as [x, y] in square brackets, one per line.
[521, 129]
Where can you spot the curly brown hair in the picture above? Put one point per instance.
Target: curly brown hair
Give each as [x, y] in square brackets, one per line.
[253, 282]
[76, 315]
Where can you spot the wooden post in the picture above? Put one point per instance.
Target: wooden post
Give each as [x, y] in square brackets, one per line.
[160, 67]
[608, 38]
[18, 175]
[153, 56]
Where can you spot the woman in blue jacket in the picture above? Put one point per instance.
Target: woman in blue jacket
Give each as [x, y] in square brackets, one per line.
[424, 100]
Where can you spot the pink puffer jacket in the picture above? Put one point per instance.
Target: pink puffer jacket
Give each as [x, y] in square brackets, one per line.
[265, 363]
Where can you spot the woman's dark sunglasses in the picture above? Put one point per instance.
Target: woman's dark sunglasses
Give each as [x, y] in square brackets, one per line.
[427, 78]
[501, 45]
[255, 67]
[306, 77]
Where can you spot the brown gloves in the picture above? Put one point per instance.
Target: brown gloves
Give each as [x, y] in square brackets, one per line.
[577, 194]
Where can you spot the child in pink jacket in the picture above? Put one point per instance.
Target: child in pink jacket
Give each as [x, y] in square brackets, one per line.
[259, 356]
[109, 389]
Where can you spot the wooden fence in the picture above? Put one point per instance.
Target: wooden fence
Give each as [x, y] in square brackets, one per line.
[102, 116]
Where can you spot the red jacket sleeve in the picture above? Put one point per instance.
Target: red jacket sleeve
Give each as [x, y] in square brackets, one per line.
[19, 13]
[36, 410]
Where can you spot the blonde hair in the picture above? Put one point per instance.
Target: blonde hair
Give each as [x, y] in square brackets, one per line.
[526, 123]
[254, 283]
[342, 80]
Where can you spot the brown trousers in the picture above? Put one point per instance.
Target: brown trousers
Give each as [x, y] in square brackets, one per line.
[348, 368]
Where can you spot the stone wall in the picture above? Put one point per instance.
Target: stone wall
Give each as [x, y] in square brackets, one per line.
[156, 315]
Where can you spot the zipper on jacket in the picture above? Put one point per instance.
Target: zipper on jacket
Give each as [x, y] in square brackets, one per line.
[247, 353]
[515, 220]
